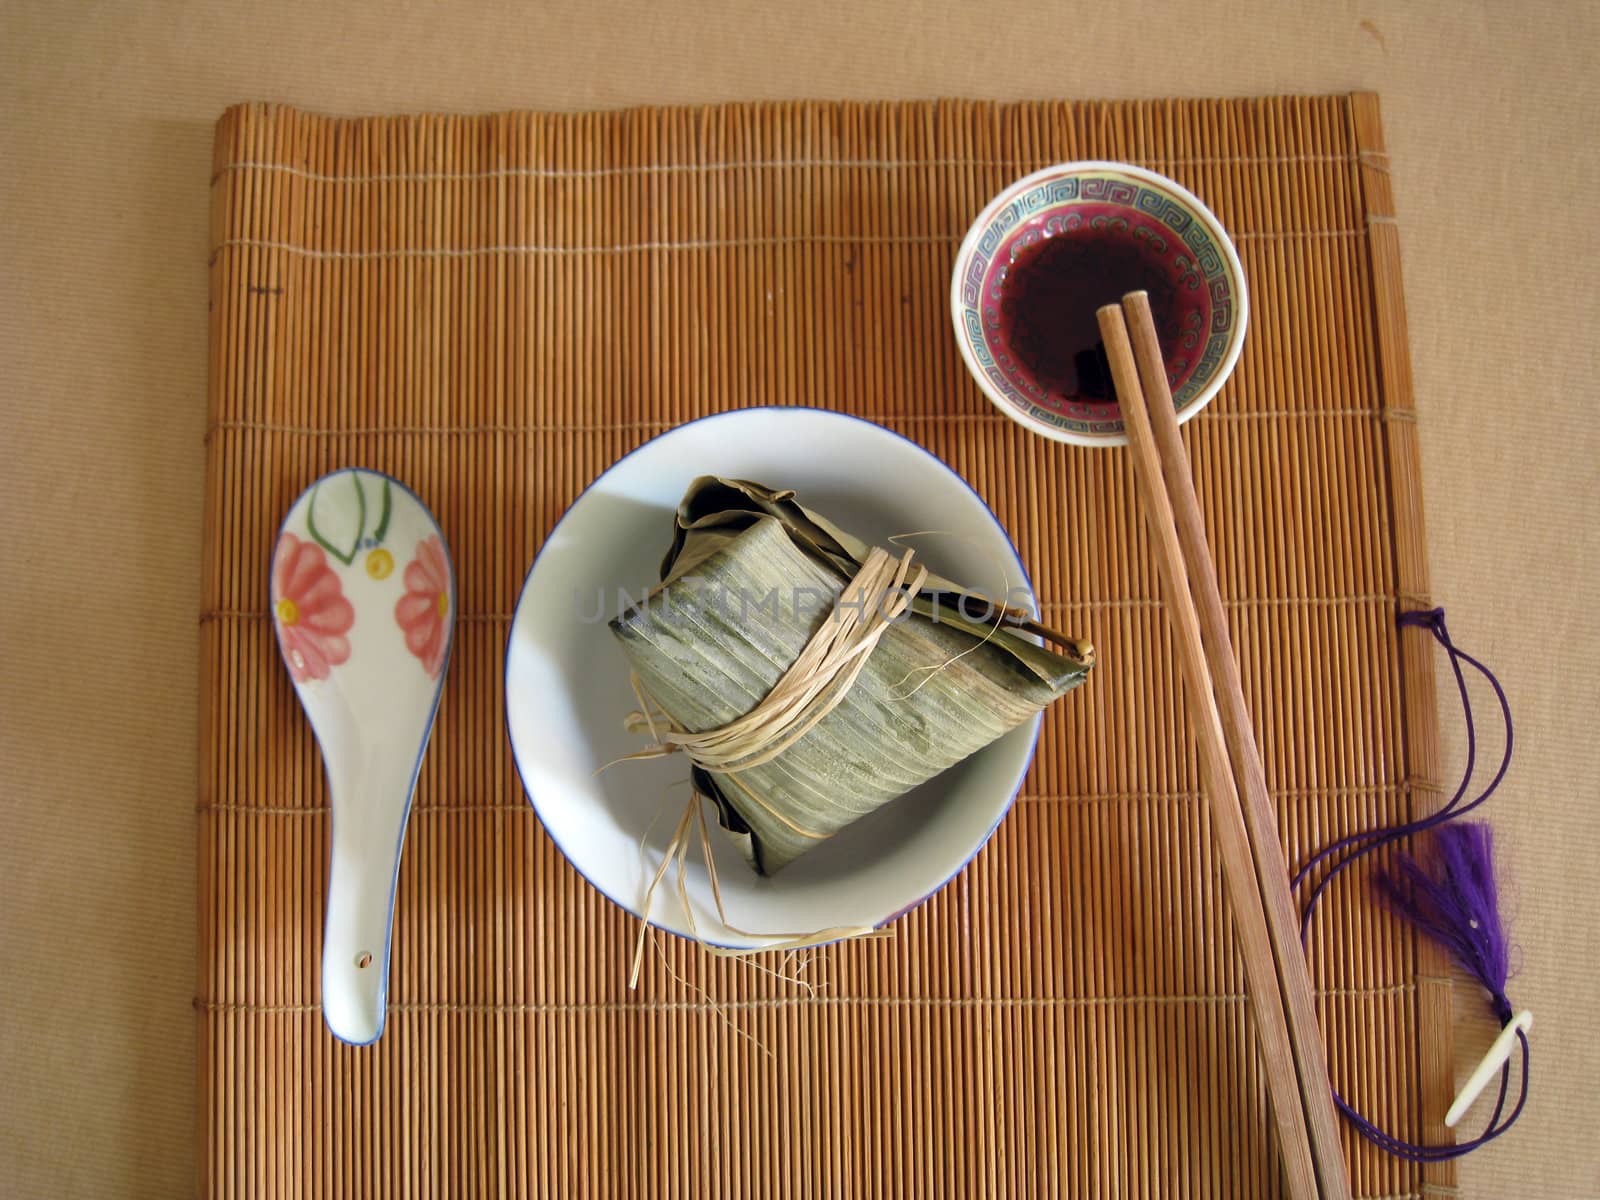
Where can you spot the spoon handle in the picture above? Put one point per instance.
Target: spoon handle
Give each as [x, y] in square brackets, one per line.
[369, 824]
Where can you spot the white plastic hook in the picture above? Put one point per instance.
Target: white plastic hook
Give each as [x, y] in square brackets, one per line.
[1491, 1062]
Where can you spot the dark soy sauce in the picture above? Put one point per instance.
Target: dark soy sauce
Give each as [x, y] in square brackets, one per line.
[1049, 299]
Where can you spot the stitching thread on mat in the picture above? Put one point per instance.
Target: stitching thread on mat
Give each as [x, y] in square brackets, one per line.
[767, 164]
[880, 418]
[1348, 792]
[806, 239]
[212, 615]
[1145, 603]
[313, 810]
[890, 239]
[770, 1002]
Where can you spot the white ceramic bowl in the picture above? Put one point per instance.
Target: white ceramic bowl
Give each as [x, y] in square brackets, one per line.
[567, 682]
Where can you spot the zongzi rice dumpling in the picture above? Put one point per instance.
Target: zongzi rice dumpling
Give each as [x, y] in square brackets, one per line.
[725, 654]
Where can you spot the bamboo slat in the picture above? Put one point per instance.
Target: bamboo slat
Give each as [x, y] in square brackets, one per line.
[495, 308]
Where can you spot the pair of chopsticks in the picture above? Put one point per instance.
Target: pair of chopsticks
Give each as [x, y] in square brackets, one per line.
[1230, 763]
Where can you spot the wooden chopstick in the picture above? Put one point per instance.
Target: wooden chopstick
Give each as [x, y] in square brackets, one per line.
[1227, 820]
[1250, 779]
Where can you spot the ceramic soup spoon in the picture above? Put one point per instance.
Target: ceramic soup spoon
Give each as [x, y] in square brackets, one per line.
[363, 601]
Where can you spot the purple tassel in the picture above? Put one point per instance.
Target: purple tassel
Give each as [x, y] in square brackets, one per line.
[1453, 901]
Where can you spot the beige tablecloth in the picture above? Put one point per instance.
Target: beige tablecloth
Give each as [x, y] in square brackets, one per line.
[105, 116]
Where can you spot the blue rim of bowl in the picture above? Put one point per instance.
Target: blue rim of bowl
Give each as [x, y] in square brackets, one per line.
[422, 751]
[1016, 559]
[1016, 188]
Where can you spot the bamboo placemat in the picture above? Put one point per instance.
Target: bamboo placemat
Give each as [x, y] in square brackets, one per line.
[496, 308]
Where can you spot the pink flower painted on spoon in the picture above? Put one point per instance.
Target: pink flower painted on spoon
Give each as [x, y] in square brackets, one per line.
[424, 611]
[309, 609]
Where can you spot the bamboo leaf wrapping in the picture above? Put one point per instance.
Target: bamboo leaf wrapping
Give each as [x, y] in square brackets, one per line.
[750, 577]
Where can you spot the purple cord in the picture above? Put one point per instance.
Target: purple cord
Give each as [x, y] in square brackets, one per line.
[1484, 957]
